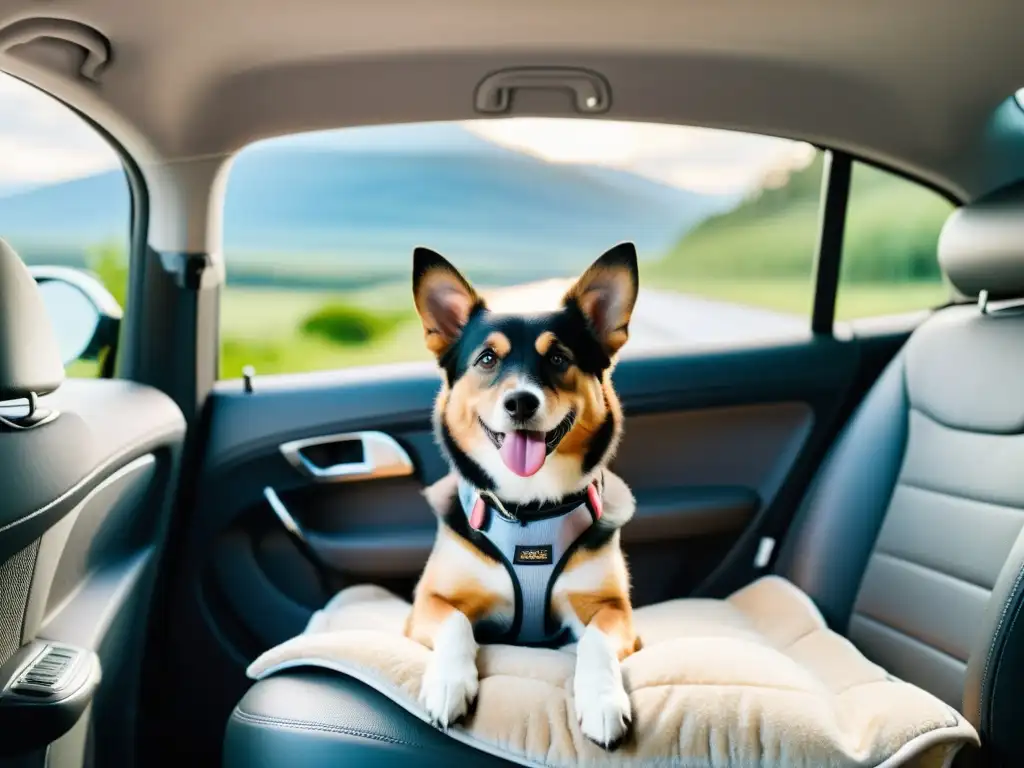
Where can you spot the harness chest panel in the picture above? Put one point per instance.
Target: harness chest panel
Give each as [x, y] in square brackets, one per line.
[533, 552]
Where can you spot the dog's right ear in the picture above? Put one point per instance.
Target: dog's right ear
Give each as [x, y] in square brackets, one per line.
[444, 299]
[606, 294]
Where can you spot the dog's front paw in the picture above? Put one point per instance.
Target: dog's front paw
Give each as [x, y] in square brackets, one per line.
[604, 713]
[602, 704]
[449, 688]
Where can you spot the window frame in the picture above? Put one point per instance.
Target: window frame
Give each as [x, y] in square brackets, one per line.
[836, 174]
[837, 183]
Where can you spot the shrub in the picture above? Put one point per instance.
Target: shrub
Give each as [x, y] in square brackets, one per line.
[110, 264]
[348, 325]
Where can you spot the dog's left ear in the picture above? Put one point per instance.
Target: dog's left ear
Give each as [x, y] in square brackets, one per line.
[606, 294]
[444, 299]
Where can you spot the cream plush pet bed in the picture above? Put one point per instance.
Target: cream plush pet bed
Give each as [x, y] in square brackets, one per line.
[756, 680]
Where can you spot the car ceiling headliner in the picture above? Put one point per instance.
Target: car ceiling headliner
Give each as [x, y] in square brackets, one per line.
[919, 85]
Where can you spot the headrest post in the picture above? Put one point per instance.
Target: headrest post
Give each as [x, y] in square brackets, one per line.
[983, 302]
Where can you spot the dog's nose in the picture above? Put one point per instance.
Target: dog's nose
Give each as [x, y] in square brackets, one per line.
[521, 405]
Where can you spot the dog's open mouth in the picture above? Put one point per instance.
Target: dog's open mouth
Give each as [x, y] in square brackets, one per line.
[524, 451]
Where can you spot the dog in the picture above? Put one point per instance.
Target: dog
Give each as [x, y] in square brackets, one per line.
[527, 549]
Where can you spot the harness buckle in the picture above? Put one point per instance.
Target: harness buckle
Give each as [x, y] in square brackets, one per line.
[501, 508]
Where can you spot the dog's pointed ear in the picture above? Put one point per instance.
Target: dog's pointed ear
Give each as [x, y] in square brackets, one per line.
[444, 299]
[606, 294]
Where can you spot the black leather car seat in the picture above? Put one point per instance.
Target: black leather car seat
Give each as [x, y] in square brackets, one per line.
[909, 541]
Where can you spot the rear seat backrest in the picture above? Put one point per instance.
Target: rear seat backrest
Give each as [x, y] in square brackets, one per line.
[958, 502]
[911, 538]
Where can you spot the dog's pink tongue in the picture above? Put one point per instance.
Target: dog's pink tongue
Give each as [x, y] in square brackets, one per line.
[524, 452]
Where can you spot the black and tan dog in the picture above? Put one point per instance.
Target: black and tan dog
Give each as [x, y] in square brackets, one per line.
[527, 550]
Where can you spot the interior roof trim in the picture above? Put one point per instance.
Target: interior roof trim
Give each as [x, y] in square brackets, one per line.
[232, 109]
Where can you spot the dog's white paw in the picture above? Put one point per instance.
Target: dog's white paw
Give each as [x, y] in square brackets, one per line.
[602, 705]
[604, 715]
[450, 681]
[449, 689]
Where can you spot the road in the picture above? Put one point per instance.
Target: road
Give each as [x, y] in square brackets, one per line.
[664, 321]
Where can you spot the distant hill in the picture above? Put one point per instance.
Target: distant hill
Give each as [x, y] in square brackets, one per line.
[363, 198]
[78, 212]
[891, 233]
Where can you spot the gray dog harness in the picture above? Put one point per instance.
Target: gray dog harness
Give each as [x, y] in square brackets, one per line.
[534, 551]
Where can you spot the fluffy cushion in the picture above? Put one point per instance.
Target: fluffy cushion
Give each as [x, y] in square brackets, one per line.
[754, 680]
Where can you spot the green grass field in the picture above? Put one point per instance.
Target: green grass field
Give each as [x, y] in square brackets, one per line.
[262, 327]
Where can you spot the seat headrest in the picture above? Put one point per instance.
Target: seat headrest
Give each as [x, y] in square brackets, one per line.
[981, 247]
[30, 359]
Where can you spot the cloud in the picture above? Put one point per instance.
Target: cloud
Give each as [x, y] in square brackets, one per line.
[703, 159]
[42, 141]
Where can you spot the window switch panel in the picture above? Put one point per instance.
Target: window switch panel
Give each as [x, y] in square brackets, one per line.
[47, 673]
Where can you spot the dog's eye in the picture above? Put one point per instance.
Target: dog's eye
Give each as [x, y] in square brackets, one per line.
[558, 361]
[487, 360]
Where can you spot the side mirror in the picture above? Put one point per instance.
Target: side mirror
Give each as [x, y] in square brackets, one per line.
[85, 316]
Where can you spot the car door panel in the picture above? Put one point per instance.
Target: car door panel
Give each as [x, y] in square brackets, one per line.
[85, 502]
[400, 397]
[75, 553]
[695, 471]
[102, 426]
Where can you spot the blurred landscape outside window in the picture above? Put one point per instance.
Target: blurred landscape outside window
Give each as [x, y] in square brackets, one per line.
[64, 196]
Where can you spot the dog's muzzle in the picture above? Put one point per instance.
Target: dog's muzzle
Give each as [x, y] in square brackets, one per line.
[551, 438]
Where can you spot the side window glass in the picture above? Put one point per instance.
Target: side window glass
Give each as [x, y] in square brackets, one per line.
[64, 203]
[890, 259]
[319, 231]
[754, 261]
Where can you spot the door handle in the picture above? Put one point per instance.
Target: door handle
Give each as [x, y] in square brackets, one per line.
[591, 93]
[298, 535]
[348, 457]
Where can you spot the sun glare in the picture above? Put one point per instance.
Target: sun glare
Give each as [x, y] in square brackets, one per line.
[701, 159]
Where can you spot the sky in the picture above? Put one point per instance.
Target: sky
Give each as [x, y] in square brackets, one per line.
[701, 159]
[41, 142]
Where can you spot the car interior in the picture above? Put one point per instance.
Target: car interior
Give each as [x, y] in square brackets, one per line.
[164, 521]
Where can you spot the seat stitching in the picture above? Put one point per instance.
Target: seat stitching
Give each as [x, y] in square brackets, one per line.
[892, 554]
[806, 634]
[860, 614]
[958, 495]
[315, 726]
[886, 554]
[1016, 603]
[954, 428]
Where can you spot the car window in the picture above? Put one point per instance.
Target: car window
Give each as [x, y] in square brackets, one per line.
[890, 261]
[319, 231]
[64, 197]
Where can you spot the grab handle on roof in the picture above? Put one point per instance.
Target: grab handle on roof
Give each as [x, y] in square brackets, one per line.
[591, 93]
[95, 45]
